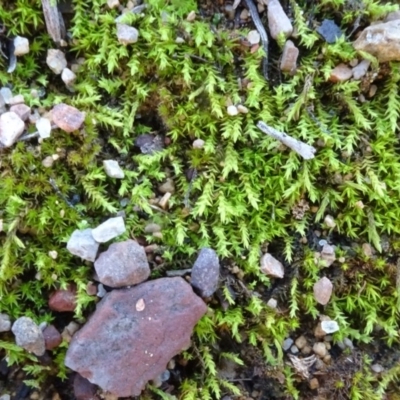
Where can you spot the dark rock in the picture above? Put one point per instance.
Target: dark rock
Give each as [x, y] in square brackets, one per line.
[123, 264]
[63, 299]
[83, 389]
[134, 333]
[52, 338]
[205, 272]
[329, 31]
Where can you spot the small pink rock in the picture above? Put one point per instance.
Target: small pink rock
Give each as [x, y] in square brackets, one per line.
[271, 266]
[289, 57]
[278, 21]
[22, 110]
[83, 389]
[341, 73]
[323, 290]
[52, 338]
[67, 118]
[63, 300]
[11, 128]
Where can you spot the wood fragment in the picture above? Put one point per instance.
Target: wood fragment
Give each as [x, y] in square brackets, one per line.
[303, 149]
[54, 20]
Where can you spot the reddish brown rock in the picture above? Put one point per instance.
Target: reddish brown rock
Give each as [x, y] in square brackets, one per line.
[67, 118]
[134, 333]
[123, 264]
[63, 300]
[83, 389]
[289, 57]
[52, 338]
[341, 73]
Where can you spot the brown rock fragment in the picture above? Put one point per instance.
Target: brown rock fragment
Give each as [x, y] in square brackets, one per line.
[341, 73]
[63, 299]
[67, 118]
[289, 57]
[52, 338]
[83, 389]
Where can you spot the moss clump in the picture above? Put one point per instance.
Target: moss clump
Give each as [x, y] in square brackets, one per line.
[248, 189]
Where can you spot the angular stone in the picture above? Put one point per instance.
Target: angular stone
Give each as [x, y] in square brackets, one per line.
[205, 272]
[112, 169]
[341, 73]
[83, 245]
[5, 323]
[151, 228]
[198, 144]
[121, 349]
[127, 34]
[83, 389]
[6, 94]
[329, 31]
[361, 69]
[167, 186]
[278, 21]
[270, 266]
[22, 110]
[21, 46]
[289, 57]
[109, 229]
[52, 338]
[18, 99]
[320, 350]
[392, 16]
[43, 125]
[56, 60]
[381, 40]
[28, 335]
[123, 264]
[329, 326]
[328, 255]
[323, 291]
[63, 300]
[67, 118]
[68, 77]
[11, 128]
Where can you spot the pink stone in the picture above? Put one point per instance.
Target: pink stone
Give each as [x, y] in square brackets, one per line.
[63, 300]
[341, 73]
[52, 338]
[289, 57]
[271, 266]
[278, 21]
[22, 110]
[323, 290]
[67, 118]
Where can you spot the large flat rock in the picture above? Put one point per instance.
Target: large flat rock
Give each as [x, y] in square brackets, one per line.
[134, 333]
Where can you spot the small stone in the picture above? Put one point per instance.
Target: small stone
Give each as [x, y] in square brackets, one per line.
[377, 368]
[348, 343]
[67, 118]
[109, 229]
[83, 389]
[392, 16]
[28, 335]
[83, 245]
[361, 69]
[52, 338]
[127, 34]
[306, 350]
[22, 110]
[328, 255]
[205, 272]
[301, 342]
[11, 128]
[253, 37]
[272, 303]
[123, 264]
[179, 40]
[294, 349]
[329, 221]
[5, 323]
[232, 110]
[323, 290]
[341, 73]
[56, 60]
[167, 186]
[21, 46]
[329, 326]
[48, 162]
[101, 291]
[18, 99]
[244, 14]
[5, 396]
[278, 21]
[320, 349]
[6, 94]
[367, 250]
[359, 204]
[313, 384]
[198, 144]
[191, 16]
[152, 227]
[329, 31]
[372, 90]
[242, 109]
[319, 333]
[287, 344]
[53, 254]
[68, 77]
[113, 3]
[289, 57]
[270, 266]
[113, 170]
[164, 200]
[91, 289]
[63, 300]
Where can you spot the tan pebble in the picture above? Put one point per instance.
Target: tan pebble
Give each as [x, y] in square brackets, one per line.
[372, 90]
[306, 350]
[359, 204]
[191, 16]
[301, 341]
[314, 384]
[53, 254]
[341, 73]
[163, 203]
[367, 250]
[244, 14]
[320, 349]
[158, 235]
[48, 162]
[327, 359]
[242, 109]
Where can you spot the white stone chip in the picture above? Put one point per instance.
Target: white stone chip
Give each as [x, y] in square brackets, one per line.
[83, 245]
[21, 46]
[11, 128]
[43, 125]
[232, 111]
[68, 77]
[253, 37]
[56, 60]
[113, 170]
[109, 229]
[127, 34]
[329, 326]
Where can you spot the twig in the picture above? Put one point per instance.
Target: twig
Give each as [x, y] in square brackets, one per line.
[263, 34]
[303, 149]
[54, 20]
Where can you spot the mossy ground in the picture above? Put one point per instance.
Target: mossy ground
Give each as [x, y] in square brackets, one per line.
[246, 194]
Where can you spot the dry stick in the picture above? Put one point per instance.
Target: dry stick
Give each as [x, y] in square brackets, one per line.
[303, 149]
[54, 20]
[263, 34]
